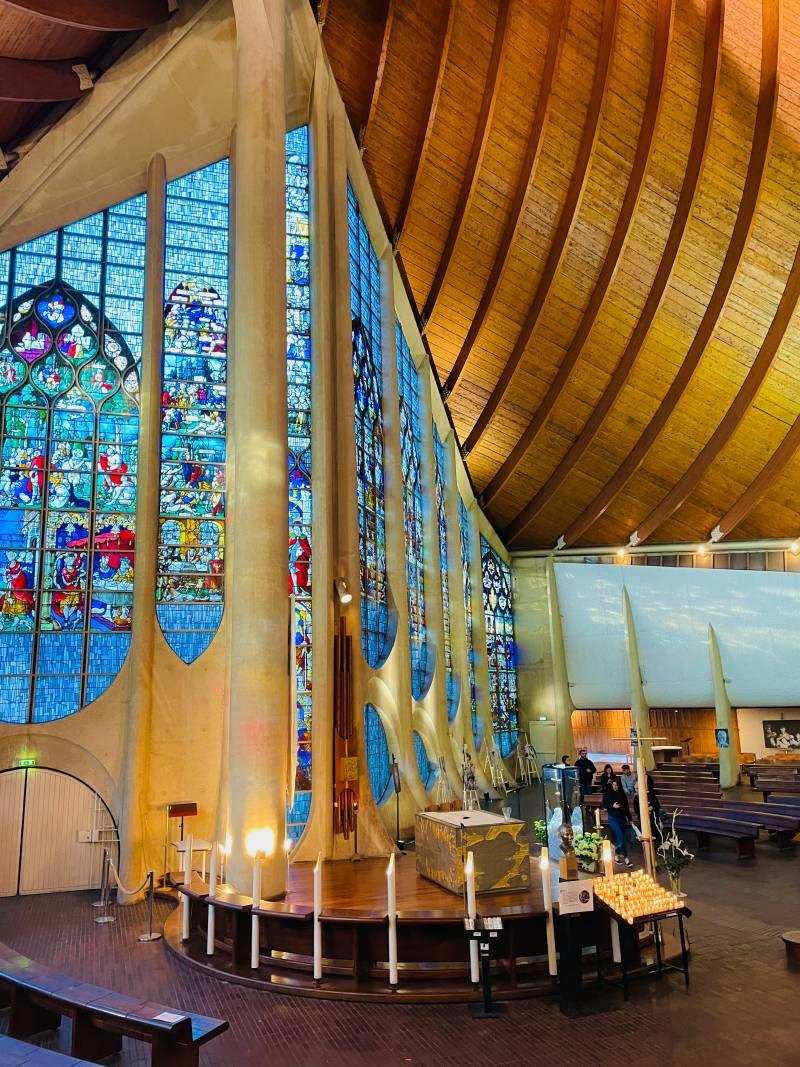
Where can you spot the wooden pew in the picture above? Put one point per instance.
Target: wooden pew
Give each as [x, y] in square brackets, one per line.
[40, 997]
[770, 770]
[15, 1053]
[783, 826]
[777, 785]
[705, 827]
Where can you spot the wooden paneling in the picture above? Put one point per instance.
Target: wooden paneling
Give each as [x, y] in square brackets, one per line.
[615, 319]
[596, 730]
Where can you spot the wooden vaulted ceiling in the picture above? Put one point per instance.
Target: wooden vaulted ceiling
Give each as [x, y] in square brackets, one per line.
[51, 51]
[596, 207]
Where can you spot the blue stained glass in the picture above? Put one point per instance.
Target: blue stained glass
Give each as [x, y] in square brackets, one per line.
[440, 481]
[365, 296]
[410, 447]
[298, 373]
[500, 647]
[427, 771]
[466, 556]
[69, 428]
[190, 584]
[378, 759]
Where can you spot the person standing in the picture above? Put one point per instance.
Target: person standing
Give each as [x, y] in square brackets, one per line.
[586, 772]
[619, 816]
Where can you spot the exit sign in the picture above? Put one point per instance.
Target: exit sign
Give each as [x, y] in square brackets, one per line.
[26, 762]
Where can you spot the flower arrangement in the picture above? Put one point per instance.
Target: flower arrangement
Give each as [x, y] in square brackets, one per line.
[673, 854]
[540, 831]
[588, 849]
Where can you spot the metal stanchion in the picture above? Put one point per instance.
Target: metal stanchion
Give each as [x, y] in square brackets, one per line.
[105, 917]
[150, 936]
[101, 903]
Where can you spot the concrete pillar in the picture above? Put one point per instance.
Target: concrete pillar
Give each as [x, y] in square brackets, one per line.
[728, 757]
[256, 595]
[135, 817]
[565, 738]
[640, 710]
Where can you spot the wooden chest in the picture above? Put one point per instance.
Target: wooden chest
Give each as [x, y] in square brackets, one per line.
[500, 849]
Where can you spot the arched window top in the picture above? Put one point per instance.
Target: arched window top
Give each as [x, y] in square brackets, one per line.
[378, 758]
[410, 460]
[500, 647]
[69, 388]
[365, 296]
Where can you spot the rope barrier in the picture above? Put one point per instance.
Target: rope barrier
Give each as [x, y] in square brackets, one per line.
[124, 889]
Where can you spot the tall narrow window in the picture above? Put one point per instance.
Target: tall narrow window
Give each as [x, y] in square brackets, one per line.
[440, 476]
[410, 448]
[428, 771]
[365, 305]
[466, 555]
[500, 648]
[69, 430]
[378, 760]
[298, 368]
[191, 549]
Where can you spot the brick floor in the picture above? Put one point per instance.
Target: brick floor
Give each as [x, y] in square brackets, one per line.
[741, 1008]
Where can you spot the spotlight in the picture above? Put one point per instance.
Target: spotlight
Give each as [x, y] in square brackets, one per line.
[701, 550]
[343, 591]
[795, 547]
[620, 553]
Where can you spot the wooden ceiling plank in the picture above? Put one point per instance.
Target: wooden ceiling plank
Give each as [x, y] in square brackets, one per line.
[558, 23]
[120, 16]
[434, 95]
[761, 364]
[758, 488]
[569, 215]
[652, 110]
[741, 232]
[378, 83]
[38, 81]
[479, 142]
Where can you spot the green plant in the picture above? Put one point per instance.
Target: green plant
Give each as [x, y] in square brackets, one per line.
[672, 851]
[540, 830]
[588, 847]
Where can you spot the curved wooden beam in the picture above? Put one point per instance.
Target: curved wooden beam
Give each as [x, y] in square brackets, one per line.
[633, 192]
[762, 135]
[39, 81]
[760, 484]
[118, 17]
[712, 52]
[378, 85]
[477, 151]
[558, 22]
[420, 152]
[566, 222]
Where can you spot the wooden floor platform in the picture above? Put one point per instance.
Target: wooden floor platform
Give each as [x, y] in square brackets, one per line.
[433, 950]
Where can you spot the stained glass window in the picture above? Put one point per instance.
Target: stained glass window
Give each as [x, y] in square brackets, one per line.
[500, 647]
[298, 367]
[191, 546]
[69, 430]
[466, 556]
[365, 306]
[410, 448]
[427, 770]
[378, 757]
[440, 478]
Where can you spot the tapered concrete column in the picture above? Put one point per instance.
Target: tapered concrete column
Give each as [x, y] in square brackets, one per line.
[728, 757]
[640, 711]
[134, 855]
[256, 594]
[565, 739]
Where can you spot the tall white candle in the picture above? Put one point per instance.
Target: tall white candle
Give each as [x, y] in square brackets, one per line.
[597, 817]
[644, 815]
[317, 923]
[254, 932]
[608, 865]
[212, 892]
[187, 881]
[547, 897]
[391, 908]
[472, 913]
[616, 949]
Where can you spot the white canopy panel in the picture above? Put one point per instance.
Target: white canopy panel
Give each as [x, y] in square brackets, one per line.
[755, 614]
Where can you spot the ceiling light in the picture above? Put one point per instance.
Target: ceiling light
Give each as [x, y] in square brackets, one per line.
[343, 591]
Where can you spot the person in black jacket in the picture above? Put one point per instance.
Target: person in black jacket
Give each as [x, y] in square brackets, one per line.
[619, 816]
[607, 775]
[586, 772]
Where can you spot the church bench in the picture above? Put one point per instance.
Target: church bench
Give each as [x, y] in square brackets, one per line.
[704, 827]
[236, 906]
[39, 998]
[770, 770]
[777, 785]
[15, 1053]
[783, 826]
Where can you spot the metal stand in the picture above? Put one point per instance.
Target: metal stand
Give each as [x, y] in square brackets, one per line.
[485, 928]
[101, 920]
[660, 967]
[101, 903]
[150, 936]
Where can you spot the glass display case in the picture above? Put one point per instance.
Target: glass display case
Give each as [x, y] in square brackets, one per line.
[563, 812]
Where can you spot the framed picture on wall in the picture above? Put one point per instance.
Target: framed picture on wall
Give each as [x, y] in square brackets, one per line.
[723, 738]
[782, 735]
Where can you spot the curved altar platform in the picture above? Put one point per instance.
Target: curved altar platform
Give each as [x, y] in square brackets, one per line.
[432, 946]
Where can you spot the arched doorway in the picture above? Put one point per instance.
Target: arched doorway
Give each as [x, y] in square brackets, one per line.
[53, 828]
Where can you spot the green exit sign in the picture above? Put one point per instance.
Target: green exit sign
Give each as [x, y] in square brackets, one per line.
[31, 762]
